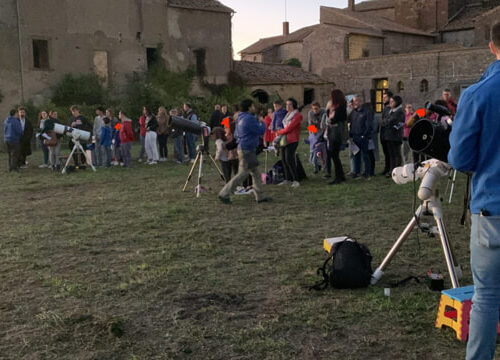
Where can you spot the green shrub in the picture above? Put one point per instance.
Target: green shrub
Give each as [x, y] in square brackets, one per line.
[79, 89]
[292, 62]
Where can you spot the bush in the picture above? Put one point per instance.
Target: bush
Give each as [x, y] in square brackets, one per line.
[292, 62]
[79, 89]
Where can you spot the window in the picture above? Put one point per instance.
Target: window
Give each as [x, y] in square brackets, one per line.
[261, 96]
[365, 53]
[308, 96]
[255, 58]
[401, 86]
[40, 54]
[381, 85]
[200, 55]
[424, 86]
[152, 56]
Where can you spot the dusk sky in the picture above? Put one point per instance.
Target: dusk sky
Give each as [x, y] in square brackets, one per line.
[256, 19]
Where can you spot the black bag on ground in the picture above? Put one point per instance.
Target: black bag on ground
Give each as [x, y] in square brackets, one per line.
[350, 267]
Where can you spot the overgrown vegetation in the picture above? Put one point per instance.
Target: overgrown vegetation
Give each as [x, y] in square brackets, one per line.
[120, 264]
[292, 62]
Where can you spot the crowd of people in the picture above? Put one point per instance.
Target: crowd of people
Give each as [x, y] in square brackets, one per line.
[351, 125]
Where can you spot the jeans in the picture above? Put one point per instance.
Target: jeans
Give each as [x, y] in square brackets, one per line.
[54, 152]
[191, 145]
[248, 165]
[179, 149]
[485, 266]
[107, 155]
[98, 154]
[126, 154]
[13, 149]
[143, 147]
[364, 154]
[151, 148]
[45, 151]
[334, 153]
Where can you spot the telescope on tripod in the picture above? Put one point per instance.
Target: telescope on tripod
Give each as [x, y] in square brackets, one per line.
[180, 125]
[432, 139]
[76, 136]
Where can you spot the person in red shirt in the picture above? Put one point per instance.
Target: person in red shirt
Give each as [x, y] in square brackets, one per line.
[291, 131]
[269, 134]
[126, 138]
[142, 133]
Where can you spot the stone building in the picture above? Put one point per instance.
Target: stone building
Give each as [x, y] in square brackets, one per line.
[276, 80]
[416, 48]
[40, 41]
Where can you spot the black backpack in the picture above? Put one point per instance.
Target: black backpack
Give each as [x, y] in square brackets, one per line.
[350, 267]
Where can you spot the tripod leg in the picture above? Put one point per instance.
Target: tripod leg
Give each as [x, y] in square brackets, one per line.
[452, 185]
[69, 159]
[217, 167]
[191, 172]
[87, 160]
[377, 274]
[448, 254]
[200, 172]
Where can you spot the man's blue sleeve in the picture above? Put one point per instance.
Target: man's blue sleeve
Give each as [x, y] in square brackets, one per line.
[464, 137]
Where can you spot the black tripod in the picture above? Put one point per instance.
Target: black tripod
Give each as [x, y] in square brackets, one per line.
[201, 152]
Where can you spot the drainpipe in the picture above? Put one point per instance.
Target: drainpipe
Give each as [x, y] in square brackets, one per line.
[21, 69]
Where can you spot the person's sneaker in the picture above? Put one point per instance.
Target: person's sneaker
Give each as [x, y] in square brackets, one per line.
[265, 199]
[191, 161]
[43, 166]
[295, 184]
[179, 162]
[23, 167]
[240, 192]
[140, 160]
[248, 191]
[239, 188]
[153, 163]
[163, 159]
[284, 182]
[225, 200]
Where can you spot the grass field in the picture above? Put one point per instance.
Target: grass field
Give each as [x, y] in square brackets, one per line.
[120, 264]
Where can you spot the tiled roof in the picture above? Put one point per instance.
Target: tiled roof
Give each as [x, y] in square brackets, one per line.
[465, 18]
[207, 5]
[343, 17]
[261, 74]
[266, 43]
[374, 5]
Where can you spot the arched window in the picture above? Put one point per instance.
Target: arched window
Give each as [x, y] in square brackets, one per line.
[261, 96]
[401, 86]
[424, 86]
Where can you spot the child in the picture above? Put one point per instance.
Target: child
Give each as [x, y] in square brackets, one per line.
[269, 135]
[222, 153]
[105, 141]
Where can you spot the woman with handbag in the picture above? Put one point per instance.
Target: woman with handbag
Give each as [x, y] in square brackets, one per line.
[289, 142]
[51, 139]
[43, 116]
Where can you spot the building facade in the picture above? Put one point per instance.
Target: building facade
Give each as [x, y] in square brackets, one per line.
[415, 48]
[41, 41]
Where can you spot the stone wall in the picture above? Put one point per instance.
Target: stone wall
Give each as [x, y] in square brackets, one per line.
[83, 30]
[461, 37]
[364, 46]
[285, 91]
[388, 13]
[399, 43]
[427, 15]
[454, 69]
[289, 51]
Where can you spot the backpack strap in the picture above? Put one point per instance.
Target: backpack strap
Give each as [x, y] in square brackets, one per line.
[323, 284]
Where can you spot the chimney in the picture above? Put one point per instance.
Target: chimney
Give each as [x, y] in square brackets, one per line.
[286, 28]
[351, 5]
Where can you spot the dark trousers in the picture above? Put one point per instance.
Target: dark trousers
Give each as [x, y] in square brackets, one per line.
[334, 154]
[13, 149]
[290, 161]
[387, 164]
[226, 170]
[395, 160]
[371, 153]
[162, 141]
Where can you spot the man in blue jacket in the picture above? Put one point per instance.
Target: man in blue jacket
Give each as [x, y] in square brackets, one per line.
[13, 131]
[248, 131]
[474, 148]
[278, 116]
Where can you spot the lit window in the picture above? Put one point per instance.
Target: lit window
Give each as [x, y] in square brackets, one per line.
[401, 86]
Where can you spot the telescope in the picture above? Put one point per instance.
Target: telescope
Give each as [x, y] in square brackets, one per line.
[179, 123]
[438, 109]
[76, 134]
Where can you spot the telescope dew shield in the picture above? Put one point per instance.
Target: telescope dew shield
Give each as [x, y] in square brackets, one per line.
[430, 138]
[76, 134]
[182, 124]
